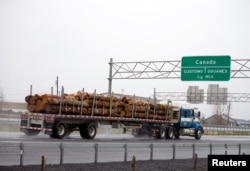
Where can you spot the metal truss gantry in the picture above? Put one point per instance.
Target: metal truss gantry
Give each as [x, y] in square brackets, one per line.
[182, 96]
[240, 68]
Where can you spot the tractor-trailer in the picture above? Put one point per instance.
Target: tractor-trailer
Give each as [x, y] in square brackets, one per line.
[58, 116]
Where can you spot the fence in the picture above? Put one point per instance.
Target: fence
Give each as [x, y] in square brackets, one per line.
[29, 153]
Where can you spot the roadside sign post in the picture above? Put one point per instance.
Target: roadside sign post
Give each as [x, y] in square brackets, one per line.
[205, 68]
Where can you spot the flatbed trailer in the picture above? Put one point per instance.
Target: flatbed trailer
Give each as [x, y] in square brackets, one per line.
[60, 125]
[61, 116]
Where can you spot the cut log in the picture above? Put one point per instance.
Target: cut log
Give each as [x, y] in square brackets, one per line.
[136, 108]
[103, 105]
[31, 108]
[27, 98]
[55, 109]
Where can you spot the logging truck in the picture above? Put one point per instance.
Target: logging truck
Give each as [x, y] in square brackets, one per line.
[58, 116]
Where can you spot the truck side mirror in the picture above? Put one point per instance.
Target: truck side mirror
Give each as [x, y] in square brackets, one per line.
[199, 114]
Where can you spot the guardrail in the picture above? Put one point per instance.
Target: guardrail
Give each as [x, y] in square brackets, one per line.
[225, 130]
[29, 153]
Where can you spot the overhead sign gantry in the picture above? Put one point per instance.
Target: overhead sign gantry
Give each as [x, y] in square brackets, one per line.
[240, 68]
[233, 68]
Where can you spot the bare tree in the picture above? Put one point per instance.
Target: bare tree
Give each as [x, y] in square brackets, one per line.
[203, 119]
[1, 99]
[229, 108]
[221, 109]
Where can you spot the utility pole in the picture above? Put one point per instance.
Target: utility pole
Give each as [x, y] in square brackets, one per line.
[31, 89]
[57, 85]
[1, 98]
[228, 112]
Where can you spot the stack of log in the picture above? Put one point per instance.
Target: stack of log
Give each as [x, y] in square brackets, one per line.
[97, 105]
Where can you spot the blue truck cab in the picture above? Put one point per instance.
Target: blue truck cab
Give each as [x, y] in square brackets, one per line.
[189, 123]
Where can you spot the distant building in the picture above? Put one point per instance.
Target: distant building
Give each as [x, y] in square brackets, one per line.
[243, 123]
[226, 121]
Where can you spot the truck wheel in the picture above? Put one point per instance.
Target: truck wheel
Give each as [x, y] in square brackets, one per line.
[30, 132]
[161, 133]
[90, 131]
[60, 130]
[176, 133]
[53, 134]
[198, 134]
[83, 131]
[169, 132]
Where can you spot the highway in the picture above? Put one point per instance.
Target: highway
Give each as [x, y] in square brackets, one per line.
[75, 137]
[111, 147]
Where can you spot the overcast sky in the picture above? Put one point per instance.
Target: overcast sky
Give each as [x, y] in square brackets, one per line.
[74, 40]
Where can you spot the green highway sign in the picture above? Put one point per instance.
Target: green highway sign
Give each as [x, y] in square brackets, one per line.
[205, 68]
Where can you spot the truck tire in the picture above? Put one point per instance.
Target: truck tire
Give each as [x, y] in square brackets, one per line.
[169, 132]
[176, 133]
[90, 131]
[30, 132]
[60, 130]
[198, 134]
[161, 133]
[53, 133]
[83, 131]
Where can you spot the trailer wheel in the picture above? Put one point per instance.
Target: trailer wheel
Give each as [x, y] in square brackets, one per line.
[60, 130]
[53, 134]
[198, 134]
[90, 131]
[83, 131]
[30, 132]
[176, 133]
[161, 133]
[169, 132]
